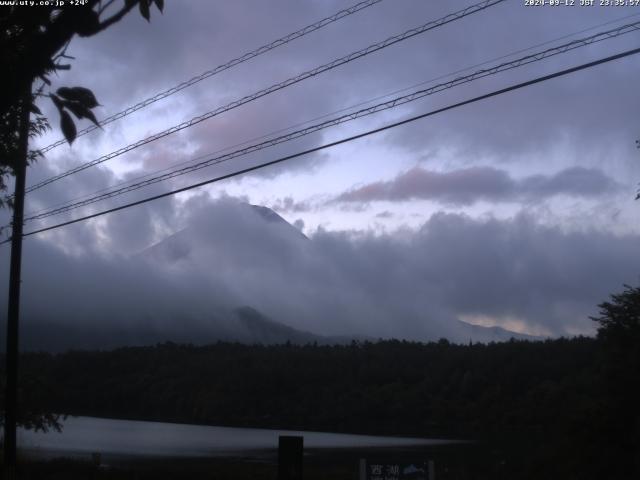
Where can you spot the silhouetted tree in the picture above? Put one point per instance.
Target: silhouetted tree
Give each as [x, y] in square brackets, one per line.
[33, 42]
[638, 194]
[535, 402]
[619, 338]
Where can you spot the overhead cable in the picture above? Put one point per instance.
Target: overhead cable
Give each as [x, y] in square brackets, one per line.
[395, 102]
[342, 141]
[344, 109]
[278, 86]
[221, 68]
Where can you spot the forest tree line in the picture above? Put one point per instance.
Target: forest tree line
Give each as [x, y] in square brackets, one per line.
[388, 387]
[572, 400]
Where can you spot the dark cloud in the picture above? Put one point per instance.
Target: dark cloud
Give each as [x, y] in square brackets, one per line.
[470, 185]
[414, 285]
[299, 224]
[289, 205]
[226, 254]
[385, 214]
[162, 55]
[566, 114]
[190, 39]
[130, 232]
[577, 181]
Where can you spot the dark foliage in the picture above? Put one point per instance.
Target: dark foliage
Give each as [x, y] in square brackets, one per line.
[563, 408]
[619, 363]
[436, 389]
[33, 42]
[542, 393]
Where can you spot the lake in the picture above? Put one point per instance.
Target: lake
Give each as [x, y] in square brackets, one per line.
[82, 436]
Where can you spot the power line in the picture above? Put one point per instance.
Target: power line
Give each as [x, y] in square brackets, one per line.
[345, 109]
[220, 68]
[386, 105]
[535, 57]
[278, 86]
[345, 140]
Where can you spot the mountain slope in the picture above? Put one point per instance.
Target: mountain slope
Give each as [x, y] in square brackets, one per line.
[479, 333]
[240, 272]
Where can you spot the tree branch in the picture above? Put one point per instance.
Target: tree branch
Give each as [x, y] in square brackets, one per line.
[117, 16]
[102, 9]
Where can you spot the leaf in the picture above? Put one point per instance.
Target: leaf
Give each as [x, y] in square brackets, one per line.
[35, 109]
[159, 4]
[57, 102]
[93, 118]
[80, 111]
[144, 9]
[79, 94]
[68, 127]
[87, 22]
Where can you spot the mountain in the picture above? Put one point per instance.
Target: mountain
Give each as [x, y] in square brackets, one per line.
[482, 334]
[255, 221]
[254, 327]
[257, 328]
[272, 217]
[235, 272]
[244, 325]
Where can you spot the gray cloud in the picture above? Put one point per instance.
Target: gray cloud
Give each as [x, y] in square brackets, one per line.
[226, 254]
[187, 40]
[469, 185]
[299, 224]
[564, 116]
[413, 285]
[289, 205]
[385, 214]
[164, 56]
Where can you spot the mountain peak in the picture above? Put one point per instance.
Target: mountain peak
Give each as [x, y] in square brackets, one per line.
[272, 217]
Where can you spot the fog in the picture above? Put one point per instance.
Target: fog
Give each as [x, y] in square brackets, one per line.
[225, 254]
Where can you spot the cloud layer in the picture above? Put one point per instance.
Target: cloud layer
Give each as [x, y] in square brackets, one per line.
[571, 138]
[415, 285]
[469, 185]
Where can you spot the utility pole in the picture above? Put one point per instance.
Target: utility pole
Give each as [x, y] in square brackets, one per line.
[13, 316]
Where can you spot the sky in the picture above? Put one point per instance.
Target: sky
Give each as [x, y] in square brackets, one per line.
[516, 211]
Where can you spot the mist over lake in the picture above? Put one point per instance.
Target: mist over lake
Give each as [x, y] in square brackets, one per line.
[82, 436]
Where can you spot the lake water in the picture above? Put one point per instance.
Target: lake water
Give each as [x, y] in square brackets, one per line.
[82, 436]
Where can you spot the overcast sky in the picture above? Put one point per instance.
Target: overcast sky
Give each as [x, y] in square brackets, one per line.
[516, 211]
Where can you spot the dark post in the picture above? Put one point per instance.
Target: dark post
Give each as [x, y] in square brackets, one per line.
[290, 451]
[11, 393]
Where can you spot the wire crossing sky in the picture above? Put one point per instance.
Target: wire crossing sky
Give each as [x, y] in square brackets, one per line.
[608, 34]
[344, 140]
[515, 211]
[220, 68]
[279, 86]
[401, 100]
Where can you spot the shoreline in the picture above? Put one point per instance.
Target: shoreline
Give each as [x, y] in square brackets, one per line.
[319, 463]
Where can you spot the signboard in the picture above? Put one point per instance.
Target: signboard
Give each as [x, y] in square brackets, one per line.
[400, 470]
